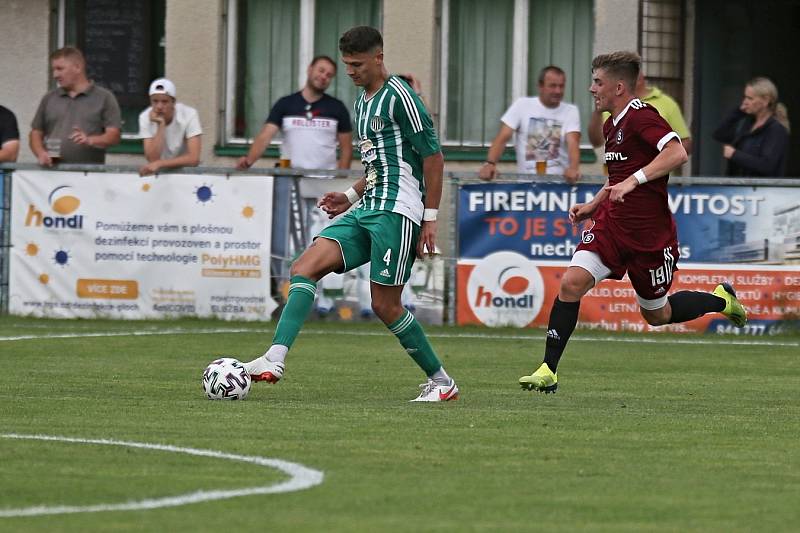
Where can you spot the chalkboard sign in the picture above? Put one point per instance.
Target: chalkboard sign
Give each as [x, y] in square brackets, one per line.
[117, 39]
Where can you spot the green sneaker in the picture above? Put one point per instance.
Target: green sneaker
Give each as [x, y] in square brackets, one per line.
[734, 311]
[543, 380]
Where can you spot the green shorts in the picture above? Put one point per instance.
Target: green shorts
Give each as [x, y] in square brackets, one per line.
[387, 240]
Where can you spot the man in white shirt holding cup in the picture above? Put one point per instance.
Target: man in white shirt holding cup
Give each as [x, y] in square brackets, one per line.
[547, 129]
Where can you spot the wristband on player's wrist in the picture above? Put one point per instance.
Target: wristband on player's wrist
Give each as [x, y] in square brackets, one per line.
[429, 215]
[640, 176]
[352, 195]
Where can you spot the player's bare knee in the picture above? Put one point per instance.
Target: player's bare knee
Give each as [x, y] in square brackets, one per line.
[655, 318]
[653, 321]
[387, 311]
[299, 268]
[572, 288]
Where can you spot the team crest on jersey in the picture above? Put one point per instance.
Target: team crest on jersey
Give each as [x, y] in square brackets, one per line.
[619, 136]
[586, 235]
[376, 123]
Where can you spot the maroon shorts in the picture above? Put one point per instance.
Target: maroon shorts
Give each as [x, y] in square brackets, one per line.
[650, 272]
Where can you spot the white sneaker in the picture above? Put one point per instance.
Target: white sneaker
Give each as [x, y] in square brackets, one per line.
[434, 392]
[262, 369]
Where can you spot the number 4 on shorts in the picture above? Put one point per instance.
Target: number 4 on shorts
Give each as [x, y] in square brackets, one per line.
[387, 257]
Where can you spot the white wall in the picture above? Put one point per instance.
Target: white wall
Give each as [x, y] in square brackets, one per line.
[409, 40]
[194, 62]
[24, 41]
[616, 25]
[195, 56]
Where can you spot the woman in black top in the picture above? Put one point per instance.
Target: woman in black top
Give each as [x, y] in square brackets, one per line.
[756, 135]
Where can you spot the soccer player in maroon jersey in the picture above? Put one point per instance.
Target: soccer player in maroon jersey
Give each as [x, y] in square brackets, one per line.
[632, 227]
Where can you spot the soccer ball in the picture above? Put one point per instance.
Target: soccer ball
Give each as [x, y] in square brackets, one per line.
[226, 379]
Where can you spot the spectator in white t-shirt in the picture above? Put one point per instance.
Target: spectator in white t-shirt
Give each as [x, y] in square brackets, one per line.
[546, 128]
[170, 130]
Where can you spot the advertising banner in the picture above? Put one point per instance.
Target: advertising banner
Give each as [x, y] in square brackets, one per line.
[124, 246]
[515, 240]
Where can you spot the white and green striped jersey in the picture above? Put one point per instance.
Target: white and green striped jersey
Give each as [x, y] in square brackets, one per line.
[395, 133]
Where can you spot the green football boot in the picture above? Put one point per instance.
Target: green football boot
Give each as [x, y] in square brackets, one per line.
[543, 380]
[734, 310]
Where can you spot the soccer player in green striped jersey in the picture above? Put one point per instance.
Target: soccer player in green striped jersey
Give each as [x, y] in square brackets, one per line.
[392, 220]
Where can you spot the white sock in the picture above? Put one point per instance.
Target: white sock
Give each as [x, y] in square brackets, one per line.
[441, 377]
[277, 353]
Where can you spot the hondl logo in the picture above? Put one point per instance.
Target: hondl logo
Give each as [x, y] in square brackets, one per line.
[513, 291]
[63, 205]
[505, 289]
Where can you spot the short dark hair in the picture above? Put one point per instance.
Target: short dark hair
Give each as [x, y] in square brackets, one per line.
[623, 66]
[69, 52]
[359, 40]
[323, 58]
[550, 68]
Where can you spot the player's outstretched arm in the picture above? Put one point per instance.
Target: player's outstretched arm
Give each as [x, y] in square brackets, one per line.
[580, 212]
[433, 170]
[336, 203]
[671, 157]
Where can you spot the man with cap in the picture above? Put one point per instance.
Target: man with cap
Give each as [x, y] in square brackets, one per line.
[170, 130]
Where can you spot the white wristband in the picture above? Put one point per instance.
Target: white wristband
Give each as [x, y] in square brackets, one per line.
[352, 195]
[429, 215]
[640, 177]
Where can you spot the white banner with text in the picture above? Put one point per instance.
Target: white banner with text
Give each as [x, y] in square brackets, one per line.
[123, 246]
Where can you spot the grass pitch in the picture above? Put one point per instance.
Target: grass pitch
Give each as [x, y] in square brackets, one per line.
[646, 433]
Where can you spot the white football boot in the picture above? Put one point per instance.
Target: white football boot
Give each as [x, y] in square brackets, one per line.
[434, 392]
[262, 369]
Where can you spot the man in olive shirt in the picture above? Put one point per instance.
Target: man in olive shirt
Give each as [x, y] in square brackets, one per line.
[82, 118]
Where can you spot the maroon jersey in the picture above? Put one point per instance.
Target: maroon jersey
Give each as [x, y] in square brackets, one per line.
[633, 139]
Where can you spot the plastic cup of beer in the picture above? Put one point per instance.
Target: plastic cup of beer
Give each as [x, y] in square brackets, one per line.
[284, 163]
[541, 167]
[53, 147]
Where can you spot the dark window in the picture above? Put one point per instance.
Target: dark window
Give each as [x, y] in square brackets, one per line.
[124, 47]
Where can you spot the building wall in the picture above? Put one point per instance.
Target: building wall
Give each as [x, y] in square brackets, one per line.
[194, 61]
[24, 41]
[194, 57]
[195, 53]
[409, 33]
[616, 25]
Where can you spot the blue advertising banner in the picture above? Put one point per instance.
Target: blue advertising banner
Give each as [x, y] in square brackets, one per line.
[716, 224]
[527, 218]
[515, 240]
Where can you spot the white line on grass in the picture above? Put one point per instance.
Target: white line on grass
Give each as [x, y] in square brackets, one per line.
[503, 336]
[301, 478]
[132, 333]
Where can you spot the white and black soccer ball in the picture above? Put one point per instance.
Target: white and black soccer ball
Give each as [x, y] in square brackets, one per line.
[226, 379]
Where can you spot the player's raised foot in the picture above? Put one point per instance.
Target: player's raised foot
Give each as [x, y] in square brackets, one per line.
[734, 310]
[262, 369]
[543, 380]
[436, 392]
